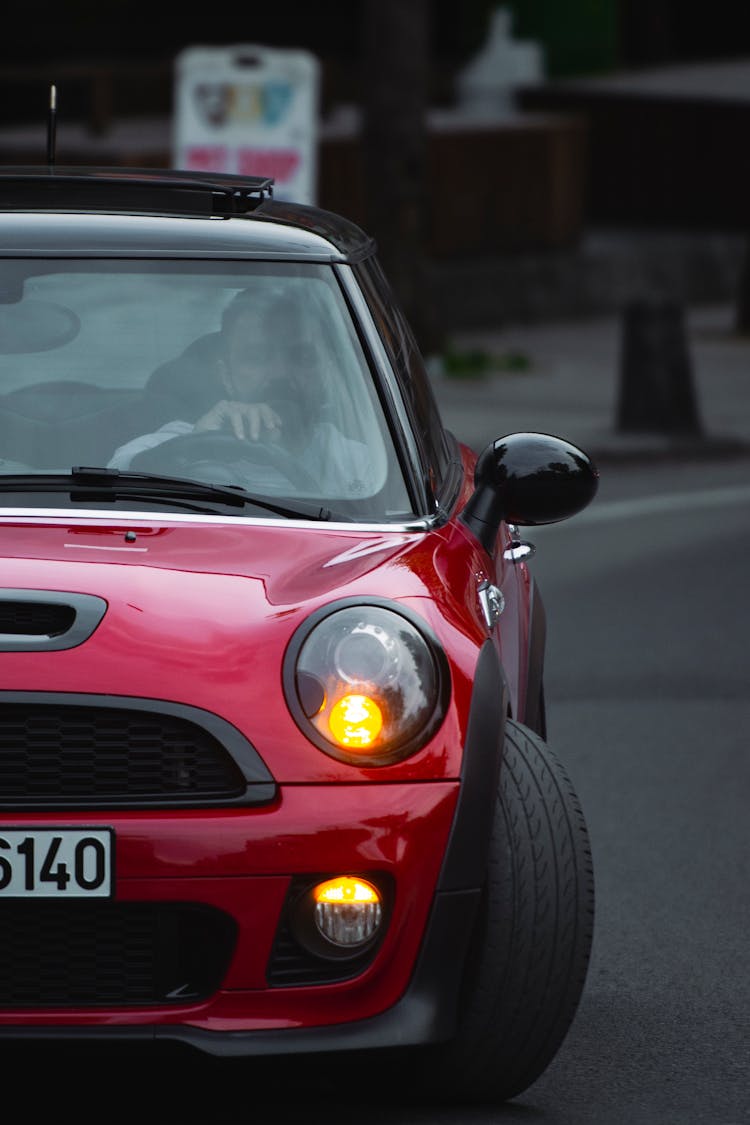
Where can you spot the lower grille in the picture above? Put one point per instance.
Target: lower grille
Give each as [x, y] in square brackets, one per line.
[65, 955]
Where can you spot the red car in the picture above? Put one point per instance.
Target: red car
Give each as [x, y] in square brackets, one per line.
[273, 776]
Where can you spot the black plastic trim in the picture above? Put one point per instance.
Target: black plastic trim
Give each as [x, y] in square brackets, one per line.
[534, 713]
[260, 789]
[89, 610]
[465, 860]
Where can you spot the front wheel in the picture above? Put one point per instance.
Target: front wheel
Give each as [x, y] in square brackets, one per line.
[529, 955]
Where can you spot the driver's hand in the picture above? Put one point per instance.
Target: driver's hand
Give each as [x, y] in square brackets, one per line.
[250, 421]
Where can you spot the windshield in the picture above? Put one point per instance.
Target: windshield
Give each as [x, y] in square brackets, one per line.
[247, 375]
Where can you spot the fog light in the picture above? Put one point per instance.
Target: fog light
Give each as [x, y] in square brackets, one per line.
[348, 911]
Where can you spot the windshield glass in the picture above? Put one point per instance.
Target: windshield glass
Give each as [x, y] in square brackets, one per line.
[247, 374]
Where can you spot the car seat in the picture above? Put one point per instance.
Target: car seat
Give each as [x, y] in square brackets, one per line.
[192, 378]
[63, 423]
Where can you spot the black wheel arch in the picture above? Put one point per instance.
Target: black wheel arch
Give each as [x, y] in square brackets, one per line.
[465, 859]
[534, 716]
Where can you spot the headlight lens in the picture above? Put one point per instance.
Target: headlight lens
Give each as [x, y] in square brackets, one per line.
[367, 684]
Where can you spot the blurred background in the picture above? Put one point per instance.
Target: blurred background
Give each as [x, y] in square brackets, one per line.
[560, 193]
[518, 162]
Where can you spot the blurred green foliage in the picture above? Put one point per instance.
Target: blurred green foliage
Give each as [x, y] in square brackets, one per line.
[476, 363]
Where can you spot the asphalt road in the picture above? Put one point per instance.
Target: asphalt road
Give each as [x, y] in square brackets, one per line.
[648, 678]
[647, 602]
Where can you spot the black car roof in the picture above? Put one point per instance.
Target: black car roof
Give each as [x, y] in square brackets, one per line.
[95, 210]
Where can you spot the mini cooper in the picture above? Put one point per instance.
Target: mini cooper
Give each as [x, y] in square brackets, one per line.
[273, 770]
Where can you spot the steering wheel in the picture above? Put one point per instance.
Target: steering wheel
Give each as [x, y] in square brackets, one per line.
[209, 450]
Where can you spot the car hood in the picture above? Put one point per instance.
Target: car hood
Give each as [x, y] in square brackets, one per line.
[284, 562]
[201, 613]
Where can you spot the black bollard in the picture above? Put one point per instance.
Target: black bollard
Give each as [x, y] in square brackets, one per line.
[656, 392]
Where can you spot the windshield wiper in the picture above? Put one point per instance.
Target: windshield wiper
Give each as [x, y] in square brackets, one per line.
[88, 483]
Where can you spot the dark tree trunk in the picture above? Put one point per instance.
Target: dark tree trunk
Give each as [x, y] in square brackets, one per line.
[395, 97]
[647, 32]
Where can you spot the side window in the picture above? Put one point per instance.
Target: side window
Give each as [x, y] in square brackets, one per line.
[407, 361]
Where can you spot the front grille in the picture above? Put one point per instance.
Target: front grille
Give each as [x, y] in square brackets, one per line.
[35, 619]
[84, 954]
[59, 755]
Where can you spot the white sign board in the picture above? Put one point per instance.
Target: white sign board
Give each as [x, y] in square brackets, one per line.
[249, 110]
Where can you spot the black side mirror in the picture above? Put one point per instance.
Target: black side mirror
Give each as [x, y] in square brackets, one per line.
[528, 479]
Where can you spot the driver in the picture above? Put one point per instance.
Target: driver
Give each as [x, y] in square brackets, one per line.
[261, 402]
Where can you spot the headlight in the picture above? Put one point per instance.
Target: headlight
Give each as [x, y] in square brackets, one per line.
[366, 683]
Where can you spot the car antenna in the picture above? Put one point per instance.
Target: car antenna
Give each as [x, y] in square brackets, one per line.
[51, 125]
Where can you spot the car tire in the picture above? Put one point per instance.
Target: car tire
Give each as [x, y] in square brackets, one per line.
[530, 949]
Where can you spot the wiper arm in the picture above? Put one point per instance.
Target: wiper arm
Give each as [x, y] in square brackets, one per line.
[94, 483]
[130, 483]
[104, 481]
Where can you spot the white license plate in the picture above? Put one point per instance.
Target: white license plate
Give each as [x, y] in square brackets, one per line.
[56, 862]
